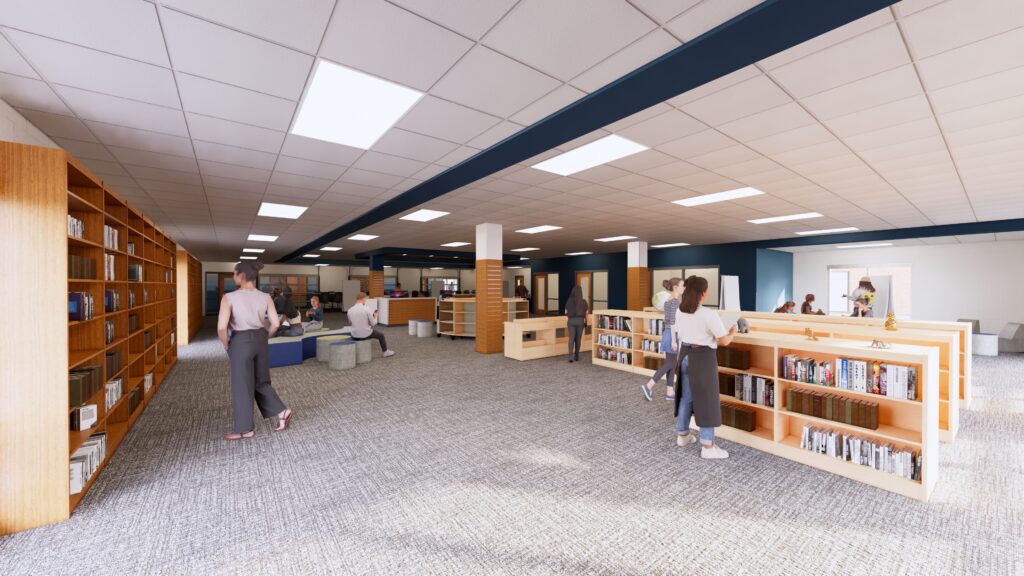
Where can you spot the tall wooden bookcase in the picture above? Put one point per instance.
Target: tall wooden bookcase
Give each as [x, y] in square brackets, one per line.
[903, 424]
[39, 189]
[190, 297]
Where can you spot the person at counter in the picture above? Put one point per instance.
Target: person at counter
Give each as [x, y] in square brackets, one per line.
[363, 321]
[397, 291]
[522, 292]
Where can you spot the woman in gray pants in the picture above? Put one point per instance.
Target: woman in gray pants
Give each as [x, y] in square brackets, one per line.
[576, 309]
[244, 311]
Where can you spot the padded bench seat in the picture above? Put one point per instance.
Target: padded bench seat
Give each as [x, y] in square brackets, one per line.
[291, 350]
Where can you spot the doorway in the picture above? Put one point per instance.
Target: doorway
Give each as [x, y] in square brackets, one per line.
[585, 280]
[540, 293]
[217, 285]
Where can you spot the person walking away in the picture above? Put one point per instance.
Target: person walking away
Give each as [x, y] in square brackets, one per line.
[576, 309]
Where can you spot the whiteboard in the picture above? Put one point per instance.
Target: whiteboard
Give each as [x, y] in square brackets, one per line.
[711, 275]
[730, 293]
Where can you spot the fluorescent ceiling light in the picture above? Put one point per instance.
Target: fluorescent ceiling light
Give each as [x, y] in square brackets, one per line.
[456, 244]
[254, 250]
[719, 197]
[672, 245]
[587, 156]
[364, 238]
[310, 255]
[321, 264]
[878, 245]
[431, 255]
[247, 257]
[513, 267]
[828, 231]
[281, 210]
[523, 258]
[614, 238]
[539, 229]
[351, 108]
[775, 219]
[387, 266]
[424, 215]
[437, 268]
[577, 253]
[330, 249]
[262, 238]
[524, 249]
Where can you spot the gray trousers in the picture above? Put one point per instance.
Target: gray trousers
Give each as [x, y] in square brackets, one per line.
[250, 379]
[575, 328]
[379, 337]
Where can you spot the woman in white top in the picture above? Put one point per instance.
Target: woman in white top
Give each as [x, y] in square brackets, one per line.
[246, 312]
[863, 298]
[698, 332]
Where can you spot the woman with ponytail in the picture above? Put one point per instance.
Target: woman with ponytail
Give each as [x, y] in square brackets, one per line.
[246, 311]
[670, 303]
[698, 332]
[576, 309]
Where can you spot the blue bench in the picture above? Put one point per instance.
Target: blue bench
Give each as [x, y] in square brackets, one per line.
[292, 350]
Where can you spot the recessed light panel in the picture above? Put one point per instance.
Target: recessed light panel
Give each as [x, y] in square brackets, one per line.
[719, 197]
[513, 267]
[321, 264]
[424, 215]
[598, 152]
[524, 249]
[262, 238]
[281, 210]
[775, 219]
[877, 245]
[828, 231]
[310, 255]
[614, 238]
[254, 250]
[673, 245]
[363, 237]
[437, 268]
[247, 257]
[539, 229]
[351, 108]
[456, 244]
[330, 249]
[577, 253]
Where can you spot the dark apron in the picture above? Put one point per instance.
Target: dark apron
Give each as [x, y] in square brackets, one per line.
[703, 373]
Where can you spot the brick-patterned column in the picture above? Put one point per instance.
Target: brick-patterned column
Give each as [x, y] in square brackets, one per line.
[376, 278]
[638, 277]
[490, 307]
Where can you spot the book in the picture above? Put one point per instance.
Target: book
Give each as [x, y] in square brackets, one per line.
[83, 383]
[86, 460]
[80, 306]
[76, 227]
[902, 462]
[833, 407]
[80, 267]
[135, 272]
[84, 417]
[114, 390]
[111, 300]
[111, 237]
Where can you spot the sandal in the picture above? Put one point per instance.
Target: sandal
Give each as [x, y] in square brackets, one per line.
[240, 435]
[282, 423]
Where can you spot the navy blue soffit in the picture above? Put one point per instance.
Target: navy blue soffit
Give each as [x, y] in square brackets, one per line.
[758, 33]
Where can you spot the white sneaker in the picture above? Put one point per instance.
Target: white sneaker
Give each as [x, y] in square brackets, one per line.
[685, 439]
[389, 353]
[713, 453]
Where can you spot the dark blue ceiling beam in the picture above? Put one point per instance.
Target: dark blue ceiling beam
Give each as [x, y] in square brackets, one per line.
[762, 31]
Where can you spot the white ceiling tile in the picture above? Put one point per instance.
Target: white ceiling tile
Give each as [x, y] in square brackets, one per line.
[300, 181]
[644, 50]
[495, 134]
[387, 164]
[667, 172]
[458, 155]
[724, 157]
[642, 161]
[215, 52]
[664, 10]
[467, 17]
[310, 168]
[250, 186]
[114, 110]
[707, 15]
[141, 139]
[58, 126]
[493, 83]
[319, 150]
[387, 41]
[137, 157]
[990, 113]
[983, 90]
[715, 85]
[982, 58]
[12, 63]
[234, 155]
[21, 92]
[818, 43]
[210, 98]
[124, 27]
[645, 114]
[959, 22]
[550, 103]
[442, 119]
[889, 86]
[894, 134]
[81, 150]
[104, 168]
[748, 97]
[231, 133]
[161, 175]
[553, 38]
[879, 117]
[697, 144]
[663, 128]
[412, 145]
[769, 122]
[233, 171]
[430, 171]
[299, 25]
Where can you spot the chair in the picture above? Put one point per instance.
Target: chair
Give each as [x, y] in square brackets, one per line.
[1011, 338]
[975, 324]
[415, 293]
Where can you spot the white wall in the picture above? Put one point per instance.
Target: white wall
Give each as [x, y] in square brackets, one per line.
[980, 280]
[467, 279]
[15, 128]
[509, 279]
[409, 278]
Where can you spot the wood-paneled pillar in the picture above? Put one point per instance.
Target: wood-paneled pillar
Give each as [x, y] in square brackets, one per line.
[638, 277]
[376, 278]
[490, 307]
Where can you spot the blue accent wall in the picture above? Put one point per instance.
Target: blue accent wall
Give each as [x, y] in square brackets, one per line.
[568, 266]
[774, 279]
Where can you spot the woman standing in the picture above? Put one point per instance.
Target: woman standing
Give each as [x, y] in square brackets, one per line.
[245, 311]
[863, 298]
[674, 289]
[576, 309]
[699, 331]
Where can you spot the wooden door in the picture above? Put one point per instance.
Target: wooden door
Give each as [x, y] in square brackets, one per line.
[585, 280]
[540, 293]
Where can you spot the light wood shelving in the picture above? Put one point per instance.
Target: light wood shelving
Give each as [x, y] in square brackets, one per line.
[457, 316]
[905, 424]
[549, 338]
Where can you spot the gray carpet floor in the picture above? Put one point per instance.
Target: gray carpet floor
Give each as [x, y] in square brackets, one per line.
[443, 461]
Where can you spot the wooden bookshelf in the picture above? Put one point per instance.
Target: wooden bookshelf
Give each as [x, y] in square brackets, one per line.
[40, 188]
[456, 316]
[549, 337]
[190, 296]
[905, 424]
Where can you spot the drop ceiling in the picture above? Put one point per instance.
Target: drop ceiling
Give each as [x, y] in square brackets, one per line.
[908, 117]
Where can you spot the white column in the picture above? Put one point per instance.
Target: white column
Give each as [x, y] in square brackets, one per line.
[488, 242]
[636, 254]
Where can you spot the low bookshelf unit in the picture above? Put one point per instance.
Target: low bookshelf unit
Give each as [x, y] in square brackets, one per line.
[457, 316]
[100, 279]
[839, 405]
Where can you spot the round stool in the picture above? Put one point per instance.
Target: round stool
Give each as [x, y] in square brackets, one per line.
[364, 351]
[322, 343]
[424, 328]
[412, 327]
[342, 355]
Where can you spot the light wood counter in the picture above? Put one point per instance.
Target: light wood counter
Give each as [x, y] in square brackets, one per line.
[546, 341]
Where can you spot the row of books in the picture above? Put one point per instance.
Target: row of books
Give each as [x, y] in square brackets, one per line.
[133, 321]
[615, 356]
[651, 345]
[135, 272]
[76, 228]
[84, 417]
[168, 277]
[615, 340]
[655, 327]
[108, 331]
[902, 462]
[113, 362]
[739, 417]
[109, 267]
[733, 358]
[747, 387]
[615, 323]
[114, 390]
[83, 382]
[131, 248]
[131, 298]
[890, 380]
[111, 300]
[81, 267]
[147, 382]
[86, 460]
[111, 237]
[80, 306]
[833, 407]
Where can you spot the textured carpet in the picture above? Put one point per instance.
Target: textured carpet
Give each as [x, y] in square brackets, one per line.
[443, 461]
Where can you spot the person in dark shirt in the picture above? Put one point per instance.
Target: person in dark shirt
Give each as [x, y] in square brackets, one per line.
[315, 315]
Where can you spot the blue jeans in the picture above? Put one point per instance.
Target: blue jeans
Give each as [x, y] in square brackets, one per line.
[707, 433]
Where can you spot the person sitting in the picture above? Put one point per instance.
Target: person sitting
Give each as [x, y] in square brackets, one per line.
[397, 291]
[363, 321]
[863, 298]
[291, 320]
[788, 308]
[808, 306]
[315, 314]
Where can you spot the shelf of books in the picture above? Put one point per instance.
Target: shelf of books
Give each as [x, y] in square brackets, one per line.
[457, 316]
[836, 404]
[103, 298]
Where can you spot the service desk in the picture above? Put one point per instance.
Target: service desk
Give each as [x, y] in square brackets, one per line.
[397, 311]
[549, 338]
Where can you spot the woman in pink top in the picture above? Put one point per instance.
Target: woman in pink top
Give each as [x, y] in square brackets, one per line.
[245, 312]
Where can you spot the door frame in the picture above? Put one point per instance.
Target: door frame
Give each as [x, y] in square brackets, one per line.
[542, 302]
[589, 295]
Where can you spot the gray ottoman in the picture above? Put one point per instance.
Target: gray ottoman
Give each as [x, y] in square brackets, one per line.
[424, 328]
[364, 351]
[342, 355]
[322, 346]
